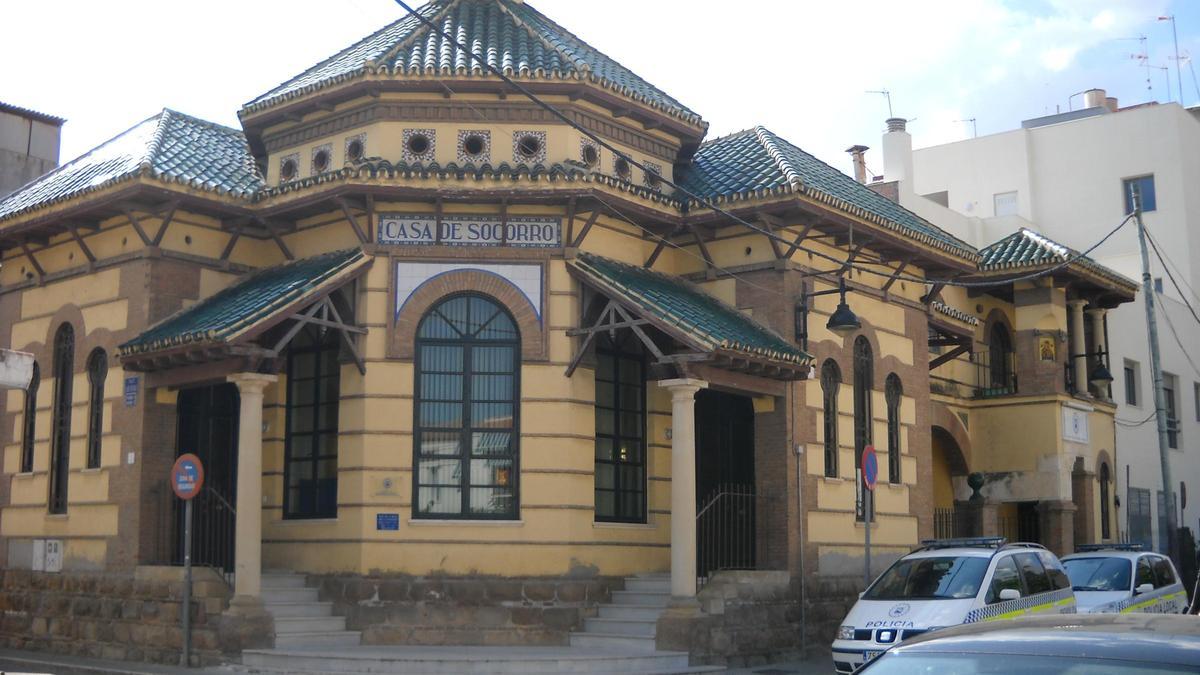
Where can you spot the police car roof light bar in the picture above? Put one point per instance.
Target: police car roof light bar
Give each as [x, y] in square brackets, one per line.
[1092, 548]
[963, 542]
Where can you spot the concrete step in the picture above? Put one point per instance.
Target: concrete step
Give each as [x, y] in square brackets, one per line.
[302, 594]
[630, 613]
[310, 624]
[472, 660]
[640, 599]
[284, 610]
[280, 580]
[648, 584]
[620, 627]
[345, 638]
[621, 643]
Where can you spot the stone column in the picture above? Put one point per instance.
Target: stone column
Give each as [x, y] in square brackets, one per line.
[1078, 346]
[1058, 525]
[683, 485]
[248, 540]
[1097, 317]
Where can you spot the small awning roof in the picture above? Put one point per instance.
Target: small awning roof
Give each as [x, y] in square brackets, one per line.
[228, 322]
[727, 337]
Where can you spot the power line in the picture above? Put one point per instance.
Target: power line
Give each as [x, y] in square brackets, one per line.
[1171, 263]
[1172, 278]
[1126, 423]
[1174, 333]
[708, 203]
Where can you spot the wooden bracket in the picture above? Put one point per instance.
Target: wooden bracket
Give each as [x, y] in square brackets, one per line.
[167, 217]
[587, 227]
[358, 231]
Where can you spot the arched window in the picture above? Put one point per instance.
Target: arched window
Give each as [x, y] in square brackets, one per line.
[1000, 360]
[29, 420]
[864, 376]
[311, 443]
[97, 372]
[831, 380]
[620, 429]
[893, 390]
[1105, 527]
[467, 389]
[60, 435]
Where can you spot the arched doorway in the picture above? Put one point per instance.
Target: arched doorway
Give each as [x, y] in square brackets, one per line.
[948, 463]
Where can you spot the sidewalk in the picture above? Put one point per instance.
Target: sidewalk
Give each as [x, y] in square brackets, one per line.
[814, 665]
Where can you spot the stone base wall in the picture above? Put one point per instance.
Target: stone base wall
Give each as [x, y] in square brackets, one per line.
[131, 616]
[409, 610]
[743, 619]
[828, 599]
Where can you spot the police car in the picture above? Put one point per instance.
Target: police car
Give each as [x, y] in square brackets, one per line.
[948, 582]
[1122, 578]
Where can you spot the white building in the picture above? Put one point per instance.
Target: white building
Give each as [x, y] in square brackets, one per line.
[1067, 176]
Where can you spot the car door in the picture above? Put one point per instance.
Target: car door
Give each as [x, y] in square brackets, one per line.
[1172, 598]
[1063, 596]
[1005, 576]
[1041, 588]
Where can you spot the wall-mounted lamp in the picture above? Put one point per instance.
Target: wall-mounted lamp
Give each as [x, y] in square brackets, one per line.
[843, 321]
[1099, 375]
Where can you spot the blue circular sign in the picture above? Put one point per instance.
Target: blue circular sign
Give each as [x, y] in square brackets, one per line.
[187, 476]
[870, 467]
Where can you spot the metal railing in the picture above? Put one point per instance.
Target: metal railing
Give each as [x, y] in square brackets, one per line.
[952, 523]
[725, 530]
[213, 529]
[994, 379]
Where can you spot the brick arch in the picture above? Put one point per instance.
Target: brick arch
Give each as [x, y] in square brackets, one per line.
[941, 418]
[402, 344]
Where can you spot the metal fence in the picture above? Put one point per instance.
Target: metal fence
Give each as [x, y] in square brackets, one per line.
[952, 523]
[994, 379]
[725, 530]
[213, 528]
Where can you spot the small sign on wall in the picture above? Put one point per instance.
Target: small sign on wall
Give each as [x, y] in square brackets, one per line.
[470, 230]
[387, 522]
[1075, 425]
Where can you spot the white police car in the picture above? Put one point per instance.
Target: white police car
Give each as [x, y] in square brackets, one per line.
[1122, 578]
[949, 582]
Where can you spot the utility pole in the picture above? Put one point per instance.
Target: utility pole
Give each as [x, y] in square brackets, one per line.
[1160, 399]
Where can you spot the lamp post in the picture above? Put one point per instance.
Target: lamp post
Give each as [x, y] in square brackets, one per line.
[843, 321]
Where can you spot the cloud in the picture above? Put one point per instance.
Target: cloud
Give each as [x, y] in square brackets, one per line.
[1104, 20]
[1059, 58]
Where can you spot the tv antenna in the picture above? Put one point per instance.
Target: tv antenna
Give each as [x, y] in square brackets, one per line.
[886, 94]
[974, 128]
[1142, 57]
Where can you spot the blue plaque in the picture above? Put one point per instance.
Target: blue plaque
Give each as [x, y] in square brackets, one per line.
[387, 522]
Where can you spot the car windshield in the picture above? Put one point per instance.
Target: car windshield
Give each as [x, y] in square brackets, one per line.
[893, 663]
[1098, 574]
[944, 578]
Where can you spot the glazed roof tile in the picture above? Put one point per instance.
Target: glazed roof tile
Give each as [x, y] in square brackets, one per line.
[252, 299]
[512, 36]
[695, 313]
[757, 161]
[170, 146]
[1028, 250]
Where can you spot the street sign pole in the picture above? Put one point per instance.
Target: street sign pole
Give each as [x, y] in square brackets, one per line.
[870, 470]
[187, 477]
[185, 660]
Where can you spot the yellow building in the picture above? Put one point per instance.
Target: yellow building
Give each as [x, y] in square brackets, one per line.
[488, 372]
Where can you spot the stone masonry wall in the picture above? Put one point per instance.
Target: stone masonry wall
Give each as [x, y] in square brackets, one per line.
[410, 610]
[745, 619]
[828, 599]
[131, 616]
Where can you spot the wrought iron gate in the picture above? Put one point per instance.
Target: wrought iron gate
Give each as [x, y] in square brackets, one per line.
[725, 530]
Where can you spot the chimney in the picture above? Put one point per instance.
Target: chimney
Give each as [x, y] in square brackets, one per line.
[858, 155]
[897, 152]
[1094, 98]
[1111, 104]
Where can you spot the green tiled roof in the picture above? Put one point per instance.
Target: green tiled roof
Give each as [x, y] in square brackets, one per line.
[170, 146]
[512, 36]
[252, 299]
[696, 314]
[1028, 250]
[757, 162]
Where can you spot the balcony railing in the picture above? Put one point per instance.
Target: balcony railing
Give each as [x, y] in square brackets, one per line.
[994, 379]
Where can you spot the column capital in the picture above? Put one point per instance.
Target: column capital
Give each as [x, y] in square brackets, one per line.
[255, 382]
[1095, 311]
[683, 385]
[1076, 303]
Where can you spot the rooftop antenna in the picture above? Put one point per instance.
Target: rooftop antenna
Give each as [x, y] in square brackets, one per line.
[974, 128]
[1167, 78]
[1142, 57]
[1175, 35]
[1192, 68]
[888, 95]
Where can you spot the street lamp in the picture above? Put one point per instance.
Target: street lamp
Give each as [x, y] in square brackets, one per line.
[843, 321]
[1099, 376]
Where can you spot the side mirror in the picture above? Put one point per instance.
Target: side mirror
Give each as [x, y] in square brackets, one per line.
[1144, 588]
[1010, 594]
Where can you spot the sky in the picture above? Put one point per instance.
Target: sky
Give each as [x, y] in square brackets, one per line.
[801, 68]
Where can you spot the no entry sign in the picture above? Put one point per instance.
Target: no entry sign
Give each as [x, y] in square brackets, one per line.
[187, 476]
[870, 467]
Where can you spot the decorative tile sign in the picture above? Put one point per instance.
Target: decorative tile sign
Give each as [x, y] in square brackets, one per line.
[470, 230]
[131, 392]
[387, 522]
